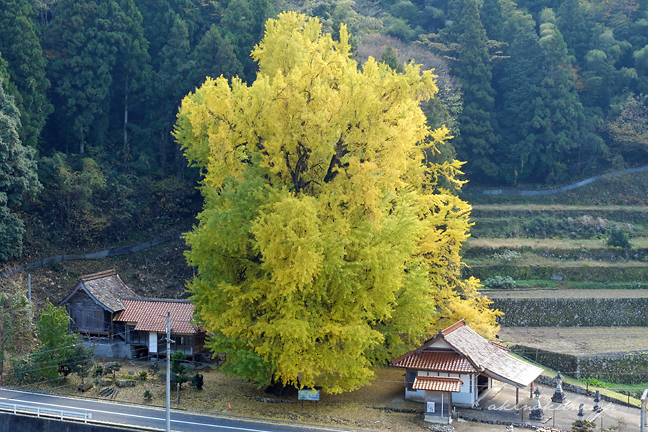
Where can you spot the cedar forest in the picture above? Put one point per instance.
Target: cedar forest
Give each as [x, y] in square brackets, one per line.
[329, 181]
[537, 92]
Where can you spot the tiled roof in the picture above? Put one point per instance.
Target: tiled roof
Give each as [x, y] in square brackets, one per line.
[446, 361]
[437, 383]
[490, 356]
[151, 314]
[105, 287]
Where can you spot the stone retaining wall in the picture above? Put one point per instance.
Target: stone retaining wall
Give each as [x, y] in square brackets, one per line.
[573, 274]
[561, 312]
[627, 368]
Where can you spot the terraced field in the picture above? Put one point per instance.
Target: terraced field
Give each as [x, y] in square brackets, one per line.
[535, 248]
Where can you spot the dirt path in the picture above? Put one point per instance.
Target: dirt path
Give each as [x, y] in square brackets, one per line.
[578, 340]
[569, 293]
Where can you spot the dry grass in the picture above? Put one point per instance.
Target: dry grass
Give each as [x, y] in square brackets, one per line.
[578, 340]
[550, 244]
[346, 410]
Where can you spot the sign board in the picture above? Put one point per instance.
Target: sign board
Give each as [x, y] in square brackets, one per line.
[430, 407]
[308, 395]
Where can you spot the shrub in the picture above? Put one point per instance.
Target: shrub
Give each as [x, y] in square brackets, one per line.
[148, 395]
[143, 375]
[197, 381]
[507, 255]
[500, 282]
[154, 369]
[618, 238]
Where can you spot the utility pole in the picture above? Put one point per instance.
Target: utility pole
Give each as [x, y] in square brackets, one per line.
[644, 420]
[168, 374]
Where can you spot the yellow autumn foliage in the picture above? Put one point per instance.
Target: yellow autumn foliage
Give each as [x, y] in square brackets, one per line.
[326, 246]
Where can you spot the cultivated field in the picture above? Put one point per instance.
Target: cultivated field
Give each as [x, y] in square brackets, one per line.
[578, 340]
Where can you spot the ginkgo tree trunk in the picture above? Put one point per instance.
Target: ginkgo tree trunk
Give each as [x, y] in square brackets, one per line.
[325, 246]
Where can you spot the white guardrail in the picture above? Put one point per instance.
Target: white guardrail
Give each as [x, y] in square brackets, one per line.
[38, 411]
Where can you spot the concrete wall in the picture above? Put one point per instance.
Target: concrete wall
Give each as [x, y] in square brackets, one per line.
[112, 350]
[13, 423]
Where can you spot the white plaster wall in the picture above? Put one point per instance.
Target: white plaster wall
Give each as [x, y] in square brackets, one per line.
[153, 347]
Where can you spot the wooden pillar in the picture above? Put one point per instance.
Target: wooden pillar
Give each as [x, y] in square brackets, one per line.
[112, 324]
[193, 348]
[517, 396]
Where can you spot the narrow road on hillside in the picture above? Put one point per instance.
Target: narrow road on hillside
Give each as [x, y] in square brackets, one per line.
[149, 417]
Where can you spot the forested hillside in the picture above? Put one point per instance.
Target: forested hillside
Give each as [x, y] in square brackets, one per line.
[538, 92]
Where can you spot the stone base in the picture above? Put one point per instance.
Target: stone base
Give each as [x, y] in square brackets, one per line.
[536, 414]
[558, 397]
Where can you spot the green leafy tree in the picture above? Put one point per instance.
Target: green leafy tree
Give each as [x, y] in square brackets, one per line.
[520, 83]
[629, 130]
[214, 56]
[73, 193]
[618, 238]
[83, 41]
[169, 83]
[178, 368]
[238, 26]
[572, 25]
[130, 71]
[477, 142]
[56, 341]
[80, 361]
[16, 325]
[18, 177]
[560, 113]
[491, 17]
[21, 48]
[389, 58]
[325, 245]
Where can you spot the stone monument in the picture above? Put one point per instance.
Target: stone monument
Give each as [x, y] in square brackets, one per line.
[537, 413]
[559, 395]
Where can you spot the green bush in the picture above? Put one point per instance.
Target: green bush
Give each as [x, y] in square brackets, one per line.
[148, 395]
[500, 282]
[507, 255]
[198, 381]
[618, 238]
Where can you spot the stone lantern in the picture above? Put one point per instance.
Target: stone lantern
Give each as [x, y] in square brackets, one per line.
[581, 415]
[537, 413]
[559, 395]
[597, 401]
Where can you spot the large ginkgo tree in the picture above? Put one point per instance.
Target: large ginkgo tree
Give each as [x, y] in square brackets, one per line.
[326, 245]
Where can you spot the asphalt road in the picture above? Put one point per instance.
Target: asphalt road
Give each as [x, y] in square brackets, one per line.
[148, 417]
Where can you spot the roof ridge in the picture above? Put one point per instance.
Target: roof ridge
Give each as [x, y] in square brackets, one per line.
[99, 275]
[156, 299]
[446, 331]
[436, 378]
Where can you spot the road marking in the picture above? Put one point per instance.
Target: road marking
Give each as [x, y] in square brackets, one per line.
[146, 417]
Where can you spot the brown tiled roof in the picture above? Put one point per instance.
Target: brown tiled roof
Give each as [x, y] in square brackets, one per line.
[151, 314]
[106, 288]
[437, 383]
[446, 361]
[491, 357]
